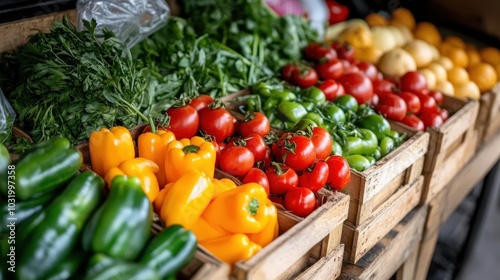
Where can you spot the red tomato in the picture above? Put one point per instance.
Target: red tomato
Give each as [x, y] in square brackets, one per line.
[254, 142]
[258, 176]
[322, 141]
[427, 103]
[331, 89]
[375, 100]
[254, 122]
[357, 85]
[201, 101]
[414, 122]
[413, 81]
[236, 160]
[337, 12]
[438, 96]
[314, 177]
[287, 71]
[315, 52]
[217, 122]
[281, 178]
[277, 147]
[344, 51]
[391, 106]
[443, 113]
[330, 69]
[303, 78]
[383, 86]
[339, 173]
[299, 152]
[412, 102]
[300, 201]
[349, 67]
[268, 158]
[368, 69]
[184, 121]
[431, 119]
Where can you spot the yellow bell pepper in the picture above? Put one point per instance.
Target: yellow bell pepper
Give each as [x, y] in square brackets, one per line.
[153, 147]
[187, 198]
[185, 155]
[270, 232]
[240, 210]
[222, 185]
[141, 168]
[204, 231]
[110, 147]
[231, 249]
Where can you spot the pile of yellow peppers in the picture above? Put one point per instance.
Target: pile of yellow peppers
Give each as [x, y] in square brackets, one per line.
[232, 222]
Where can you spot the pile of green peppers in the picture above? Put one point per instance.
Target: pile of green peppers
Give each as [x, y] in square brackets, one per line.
[57, 223]
[359, 134]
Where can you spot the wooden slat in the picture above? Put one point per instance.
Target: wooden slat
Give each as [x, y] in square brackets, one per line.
[204, 267]
[326, 268]
[15, 34]
[407, 270]
[391, 252]
[361, 239]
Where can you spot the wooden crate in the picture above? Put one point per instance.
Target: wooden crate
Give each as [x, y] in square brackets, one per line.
[302, 242]
[395, 253]
[450, 146]
[488, 119]
[360, 239]
[374, 190]
[325, 268]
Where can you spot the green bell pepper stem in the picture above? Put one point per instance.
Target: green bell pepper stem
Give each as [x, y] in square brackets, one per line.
[169, 251]
[53, 240]
[376, 123]
[292, 111]
[387, 145]
[122, 225]
[45, 168]
[358, 162]
[284, 94]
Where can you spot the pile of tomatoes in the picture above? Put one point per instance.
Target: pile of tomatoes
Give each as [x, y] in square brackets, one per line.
[333, 69]
[292, 168]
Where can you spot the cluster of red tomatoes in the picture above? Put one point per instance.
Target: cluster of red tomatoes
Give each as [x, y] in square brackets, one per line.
[292, 168]
[334, 71]
[410, 101]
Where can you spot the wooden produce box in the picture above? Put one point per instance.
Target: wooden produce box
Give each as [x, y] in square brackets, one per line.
[451, 146]
[488, 118]
[396, 253]
[305, 246]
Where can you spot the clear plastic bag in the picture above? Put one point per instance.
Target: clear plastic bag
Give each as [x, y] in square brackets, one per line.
[130, 20]
[7, 118]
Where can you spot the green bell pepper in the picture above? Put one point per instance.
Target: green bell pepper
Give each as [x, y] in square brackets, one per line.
[283, 94]
[169, 251]
[253, 103]
[127, 271]
[347, 102]
[336, 148]
[270, 104]
[365, 144]
[303, 124]
[292, 111]
[376, 123]
[122, 225]
[98, 263]
[333, 113]
[358, 162]
[68, 267]
[262, 89]
[314, 95]
[314, 117]
[387, 145]
[53, 240]
[308, 105]
[377, 154]
[24, 209]
[371, 159]
[4, 164]
[45, 168]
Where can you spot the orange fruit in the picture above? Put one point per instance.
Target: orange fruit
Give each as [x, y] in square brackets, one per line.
[455, 41]
[467, 90]
[484, 75]
[376, 19]
[446, 88]
[445, 62]
[457, 75]
[404, 17]
[428, 32]
[439, 71]
[490, 55]
[369, 54]
[458, 57]
[474, 57]
[430, 77]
